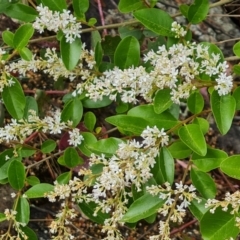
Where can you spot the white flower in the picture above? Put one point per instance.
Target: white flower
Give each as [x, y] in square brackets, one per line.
[75, 138]
[178, 30]
[224, 84]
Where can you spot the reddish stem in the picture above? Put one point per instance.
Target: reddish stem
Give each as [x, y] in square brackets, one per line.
[180, 229]
[50, 92]
[101, 16]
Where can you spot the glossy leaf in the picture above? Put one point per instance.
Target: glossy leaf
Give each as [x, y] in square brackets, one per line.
[39, 190]
[126, 6]
[132, 124]
[236, 69]
[55, 5]
[236, 49]
[156, 20]
[29, 233]
[16, 175]
[72, 158]
[72, 111]
[31, 104]
[192, 136]
[64, 178]
[195, 102]
[89, 120]
[2, 217]
[98, 54]
[89, 103]
[22, 36]
[223, 108]
[210, 161]
[32, 180]
[179, 150]
[203, 183]
[142, 208]
[163, 170]
[25, 54]
[220, 225]
[198, 208]
[7, 37]
[89, 139]
[107, 146]
[126, 31]
[231, 166]
[70, 52]
[127, 53]
[26, 151]
[23, 210]
[14, 99]
[236, 95]
[203, 124]
[162, 100]
[198, 11]
[21, 12]
[80, 7]
[89, 208]
[48, 146]
[184, 10]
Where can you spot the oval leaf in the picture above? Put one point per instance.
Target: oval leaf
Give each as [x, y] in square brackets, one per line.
[55, 5]
[7, 37]
[192, 136]
[39, 190]
[162, 100]
[156, 20]
[14, 99]
[70, 52]
[231, 166]
[142, 208]
[195, 102]
[179, 150]
[203, 183]
[223, 108]
[80, 7]
[127, 53]
[125, 6]
[16, 174]
[198, 11]
[23, 211]
[89, 120]
[48, 146]
[72, 158]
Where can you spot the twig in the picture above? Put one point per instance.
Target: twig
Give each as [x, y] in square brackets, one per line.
[180, 229]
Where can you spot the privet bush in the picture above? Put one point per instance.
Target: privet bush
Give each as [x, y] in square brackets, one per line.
[131, 177]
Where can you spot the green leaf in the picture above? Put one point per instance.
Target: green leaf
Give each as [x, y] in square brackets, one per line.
[39, 190]
[14, 99]
[72, 111]
[179, 150]
[198, 11]
[236, 69]
[203, 183]
[164, 120]
[64, 178]
[212, 48]
[89, 208]
[32, 180]
[95, 38]
[210, 161]
[29, 232]
[198, 208]
[109, 46]
[236, 49]
[26, 151]
[70, 52]
[142, 208]
[220, 225]
[89, 103]
[162, 100]
[195, 102]
[236, 95]
[16, 174]
[192, 136]
[223, 108]
[7, 37]
[21, 12]
[25, 54]
[126, 6]
[203, 124]
[163, 170]
[55, 5]
[22, 36]
[31, 104]
[107, 146]
[89, 120]
[72, 158]
[23, 210]
[231, 166]
[156, 20]
[48, 146]
[2, 217]
[98, 54]
[127, 53]
[184, 10]
[131, 124]
[80, 7]
[126, 31]
[89, 139]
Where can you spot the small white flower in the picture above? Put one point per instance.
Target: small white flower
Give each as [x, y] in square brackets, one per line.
[75, 138]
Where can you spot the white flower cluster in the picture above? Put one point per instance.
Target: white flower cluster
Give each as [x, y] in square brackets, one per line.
[177, 68]
[75, 137]
[178, 30]
[55, 21]
[53, 65]
[5, 81]
[183, 194]
[21, 129]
